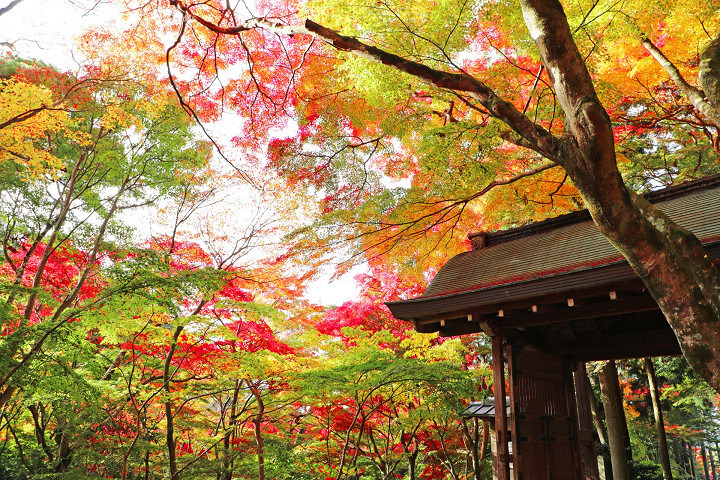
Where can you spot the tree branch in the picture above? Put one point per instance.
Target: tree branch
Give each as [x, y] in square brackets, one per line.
[695, 95]
[543, 140]
[9, 6]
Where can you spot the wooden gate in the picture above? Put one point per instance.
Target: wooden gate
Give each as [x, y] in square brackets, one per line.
[544, 417]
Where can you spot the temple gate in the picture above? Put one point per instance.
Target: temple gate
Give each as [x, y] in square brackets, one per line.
[553, 295]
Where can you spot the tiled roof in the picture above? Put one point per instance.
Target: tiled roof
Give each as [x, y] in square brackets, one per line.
[570, 243]
[483, 409]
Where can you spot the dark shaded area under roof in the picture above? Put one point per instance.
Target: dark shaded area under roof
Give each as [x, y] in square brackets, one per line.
[559, 284]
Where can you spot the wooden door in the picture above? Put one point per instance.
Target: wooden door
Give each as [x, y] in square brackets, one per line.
[545, 434]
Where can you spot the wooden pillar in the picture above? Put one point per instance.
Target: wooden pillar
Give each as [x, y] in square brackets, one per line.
[585, 424]
[501, 420]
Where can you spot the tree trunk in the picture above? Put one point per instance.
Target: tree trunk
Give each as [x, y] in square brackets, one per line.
[257, 424]
[476, 444]
[663, 452]
[412, 464]
[595, 409]
[709, 71]
[669, 259]
[618, 437]
[483, 448]
[693, 460]
[147, 465]
[169, 416]
[40, 424]
[712, 462]
[228, 458]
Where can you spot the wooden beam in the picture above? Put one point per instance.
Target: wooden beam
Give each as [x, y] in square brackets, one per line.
[436, 318]
[427, 327]
[452, 329]
[605, 308]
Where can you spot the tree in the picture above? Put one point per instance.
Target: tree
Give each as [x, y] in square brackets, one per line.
[384, 400]
[456, 51]
[663, 451]
[618, 436]
[57, 215]
[9, 6]
[65, 176]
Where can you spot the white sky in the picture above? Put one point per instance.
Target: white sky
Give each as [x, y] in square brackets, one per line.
[46, 30]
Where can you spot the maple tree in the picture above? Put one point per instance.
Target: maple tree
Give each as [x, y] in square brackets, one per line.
[57, 217]
[688, 405]
[384, 400]
[455, 100]
[191, 354]
[61, 195]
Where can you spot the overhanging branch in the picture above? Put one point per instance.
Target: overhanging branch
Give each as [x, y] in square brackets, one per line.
[542, 140]
[695, 95]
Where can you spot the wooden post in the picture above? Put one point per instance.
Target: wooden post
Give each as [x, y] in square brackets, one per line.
[659, 421]
[618, 436]
[501, 423]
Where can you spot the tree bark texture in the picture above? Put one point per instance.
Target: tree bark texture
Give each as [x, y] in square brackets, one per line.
[257, 428]
[709, 71]
[669, 259]
[663, 452]
[595, 409]
[712, 461]
[618, 437]
[169, 415]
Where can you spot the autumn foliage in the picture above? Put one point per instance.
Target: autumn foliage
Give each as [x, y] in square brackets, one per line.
[164, 207]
